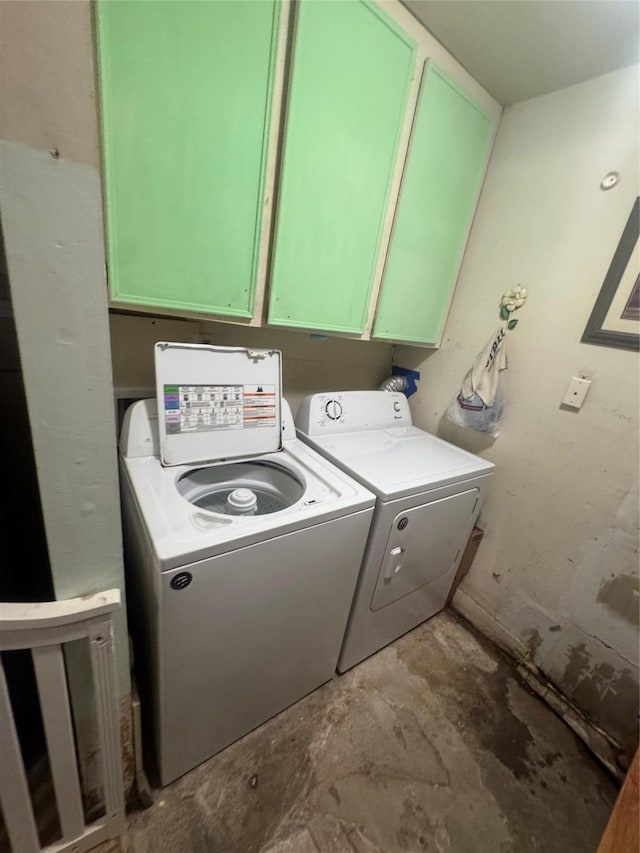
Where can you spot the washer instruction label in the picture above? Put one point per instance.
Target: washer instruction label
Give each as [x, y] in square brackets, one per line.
[259, 405]
[201, 408]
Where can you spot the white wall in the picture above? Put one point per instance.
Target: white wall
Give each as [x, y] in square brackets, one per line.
[556, 577]
[309, 364]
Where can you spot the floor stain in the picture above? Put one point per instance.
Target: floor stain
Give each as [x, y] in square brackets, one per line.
[334, 793]
[400, 735]
[488, 719]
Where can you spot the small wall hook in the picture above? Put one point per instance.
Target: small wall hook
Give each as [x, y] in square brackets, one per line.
[609, 181]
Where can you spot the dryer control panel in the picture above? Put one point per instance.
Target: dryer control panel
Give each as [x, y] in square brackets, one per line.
[352, 411]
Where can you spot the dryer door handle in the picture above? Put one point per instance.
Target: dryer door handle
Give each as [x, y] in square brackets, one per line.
[393, 563]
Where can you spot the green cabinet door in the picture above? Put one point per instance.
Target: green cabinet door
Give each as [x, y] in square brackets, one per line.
[449, 147]
[352, 68]
[186, 90]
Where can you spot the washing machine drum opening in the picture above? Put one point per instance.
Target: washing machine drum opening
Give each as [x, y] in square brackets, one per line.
[242, 488]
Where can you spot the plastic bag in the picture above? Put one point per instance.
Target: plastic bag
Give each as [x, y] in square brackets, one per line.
[473, 413]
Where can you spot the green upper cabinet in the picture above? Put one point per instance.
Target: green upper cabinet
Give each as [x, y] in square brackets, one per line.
[351, 75]
[186, 90]
[450, 144]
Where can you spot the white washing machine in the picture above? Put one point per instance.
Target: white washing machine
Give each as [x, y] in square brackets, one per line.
[429, 494]
[242, 546]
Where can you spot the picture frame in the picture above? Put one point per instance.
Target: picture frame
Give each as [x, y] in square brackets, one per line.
[615, 318]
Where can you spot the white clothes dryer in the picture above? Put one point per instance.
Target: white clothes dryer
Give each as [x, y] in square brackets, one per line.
[242, 549]
[429, 494]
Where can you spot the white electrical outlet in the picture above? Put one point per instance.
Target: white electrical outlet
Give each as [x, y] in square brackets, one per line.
[576, 392]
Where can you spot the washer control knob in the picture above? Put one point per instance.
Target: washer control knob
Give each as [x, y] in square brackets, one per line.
[333, 410]
[396, 406]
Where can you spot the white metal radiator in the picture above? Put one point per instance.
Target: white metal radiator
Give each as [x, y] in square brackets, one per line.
[44, 628]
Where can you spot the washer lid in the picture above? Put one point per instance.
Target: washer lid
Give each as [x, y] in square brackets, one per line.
[217, 402]
[400, 461]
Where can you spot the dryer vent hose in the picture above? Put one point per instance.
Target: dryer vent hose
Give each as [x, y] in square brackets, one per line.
[395, 383]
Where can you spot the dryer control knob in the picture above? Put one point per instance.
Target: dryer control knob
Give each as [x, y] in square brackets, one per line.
[333, 410]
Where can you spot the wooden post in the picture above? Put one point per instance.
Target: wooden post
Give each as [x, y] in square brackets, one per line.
[621, 834]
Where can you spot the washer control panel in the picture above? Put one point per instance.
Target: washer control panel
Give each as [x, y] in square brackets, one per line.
[352, 411]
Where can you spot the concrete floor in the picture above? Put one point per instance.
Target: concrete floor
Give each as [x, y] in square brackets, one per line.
[433, 744]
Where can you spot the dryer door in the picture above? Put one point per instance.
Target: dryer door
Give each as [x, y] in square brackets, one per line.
[424, 543]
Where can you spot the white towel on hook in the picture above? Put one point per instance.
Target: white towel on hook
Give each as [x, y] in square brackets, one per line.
[482, 379]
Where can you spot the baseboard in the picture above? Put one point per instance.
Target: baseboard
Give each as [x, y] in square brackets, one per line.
[488, 625]
[597, 741]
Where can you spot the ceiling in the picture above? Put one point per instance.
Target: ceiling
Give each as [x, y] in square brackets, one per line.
[518, 49]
